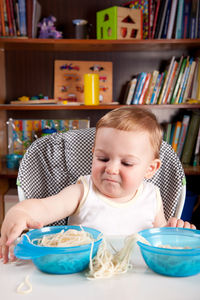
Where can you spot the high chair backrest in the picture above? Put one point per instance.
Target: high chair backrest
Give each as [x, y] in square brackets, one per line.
[56, 161]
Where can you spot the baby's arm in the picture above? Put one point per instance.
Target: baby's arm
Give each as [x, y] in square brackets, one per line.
[35, 213]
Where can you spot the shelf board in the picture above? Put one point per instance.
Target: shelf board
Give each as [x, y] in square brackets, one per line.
[94, 45]
[6, 107]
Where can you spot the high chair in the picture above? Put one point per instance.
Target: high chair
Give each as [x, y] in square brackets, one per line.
[57, 160]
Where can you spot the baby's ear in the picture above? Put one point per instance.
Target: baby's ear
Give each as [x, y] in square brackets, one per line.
[153, 167]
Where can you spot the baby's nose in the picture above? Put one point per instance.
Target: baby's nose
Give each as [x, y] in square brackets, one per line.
[112, 169]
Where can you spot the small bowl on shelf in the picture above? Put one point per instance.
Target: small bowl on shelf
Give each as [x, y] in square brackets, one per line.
[58, 260]
[172, 251]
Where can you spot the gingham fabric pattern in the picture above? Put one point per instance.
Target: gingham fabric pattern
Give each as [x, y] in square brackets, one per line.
[56, 161]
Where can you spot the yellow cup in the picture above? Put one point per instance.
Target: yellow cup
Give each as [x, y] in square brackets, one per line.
[91, 89]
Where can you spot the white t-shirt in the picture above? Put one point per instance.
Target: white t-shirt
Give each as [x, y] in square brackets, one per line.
[111, 218]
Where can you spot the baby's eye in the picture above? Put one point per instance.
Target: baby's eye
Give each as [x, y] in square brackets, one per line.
[127, 164]
[104, 159]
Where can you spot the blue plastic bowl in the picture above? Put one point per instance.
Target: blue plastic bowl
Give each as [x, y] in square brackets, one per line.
[57, 260]
[172, 262]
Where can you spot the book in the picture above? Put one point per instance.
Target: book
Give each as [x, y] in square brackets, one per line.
[183, 132]
[160, 83]
[3, 32]
[190, 140]
[164, 88]
[22, 17]
[182, 81]
[10, 25]
[163, 19]
[145, 88]
[166, 22]
[29, 17]
[159, 19]
[168, 133]
[132, 85]
[185, 79]
[138, 90]
[152, 83]
[151, 5]
[157, 6]
[189, 83]
[186, 19]
[153, 96]
[172, 19]
[198, 19]
[5, 19]
[193, 20]
[175, 92]
[170, 82]
[196, 161]
[177, 129]
[195, 80]
[179, 20]
[198, 81]
[13, 17]
[37, 10]
[175, 79]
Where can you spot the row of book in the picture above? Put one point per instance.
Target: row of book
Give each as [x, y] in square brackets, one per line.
[173, 86]
[184, 137]
[19, 18]
[21, 133]
[166, 19]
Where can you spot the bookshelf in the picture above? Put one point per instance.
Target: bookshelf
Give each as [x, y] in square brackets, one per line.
[27, 69]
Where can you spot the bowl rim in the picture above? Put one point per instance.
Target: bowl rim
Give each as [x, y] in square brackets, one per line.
[25, 246]
[173, 231]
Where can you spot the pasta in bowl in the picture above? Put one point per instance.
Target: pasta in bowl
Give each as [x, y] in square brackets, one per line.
[171, 251]
[59, 249]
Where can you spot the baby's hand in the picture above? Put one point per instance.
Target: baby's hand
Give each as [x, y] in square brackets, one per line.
[174, 222]
[15, 222]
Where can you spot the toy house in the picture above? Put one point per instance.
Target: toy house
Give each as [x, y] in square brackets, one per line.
[119, 23]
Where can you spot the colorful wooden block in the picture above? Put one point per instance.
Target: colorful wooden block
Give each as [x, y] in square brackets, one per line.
[119, 23]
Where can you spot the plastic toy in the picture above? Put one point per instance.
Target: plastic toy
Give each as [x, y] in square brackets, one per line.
[119, 23]
[48, 29]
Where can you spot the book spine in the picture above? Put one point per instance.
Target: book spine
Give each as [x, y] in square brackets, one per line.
[171, 80]
[172, 19]
[5, 18]
[145, 88]
[158, 88]
[151, 87]
[155, 19]
[168, 132]
[166, 23]
[131, 91]
[186, 18]
[166, 80]
[179, 21]
[184, 128]
[196, 160]
[174, 96]
[155, 89]
[198, 20]
[13, 17]
[189, 83]
[22, 17]
[3, 32]
[139, 88]
[190, 139]
[186, 75]
[182, 81]
[10, 27]
[29, 17]
[192, 26]
[163, 20]
[176, 135]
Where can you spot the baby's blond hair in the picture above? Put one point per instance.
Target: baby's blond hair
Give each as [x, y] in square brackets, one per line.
[131, 118]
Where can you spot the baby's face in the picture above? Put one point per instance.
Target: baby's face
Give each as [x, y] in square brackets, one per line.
[121, 160]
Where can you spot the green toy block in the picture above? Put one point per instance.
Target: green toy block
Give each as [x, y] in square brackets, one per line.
[107, 24]
[119, 23]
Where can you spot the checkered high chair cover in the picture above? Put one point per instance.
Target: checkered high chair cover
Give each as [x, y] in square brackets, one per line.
[55, 161]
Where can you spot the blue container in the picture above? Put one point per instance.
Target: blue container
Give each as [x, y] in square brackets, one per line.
[172, 262]
[190, 201]
[13, 160]
[57, 260]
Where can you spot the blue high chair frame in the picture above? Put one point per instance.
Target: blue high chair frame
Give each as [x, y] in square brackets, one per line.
[57, 160]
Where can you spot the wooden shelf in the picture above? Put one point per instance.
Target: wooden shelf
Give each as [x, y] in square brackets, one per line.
[94, 45]
[190, 170]
[5, 107]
